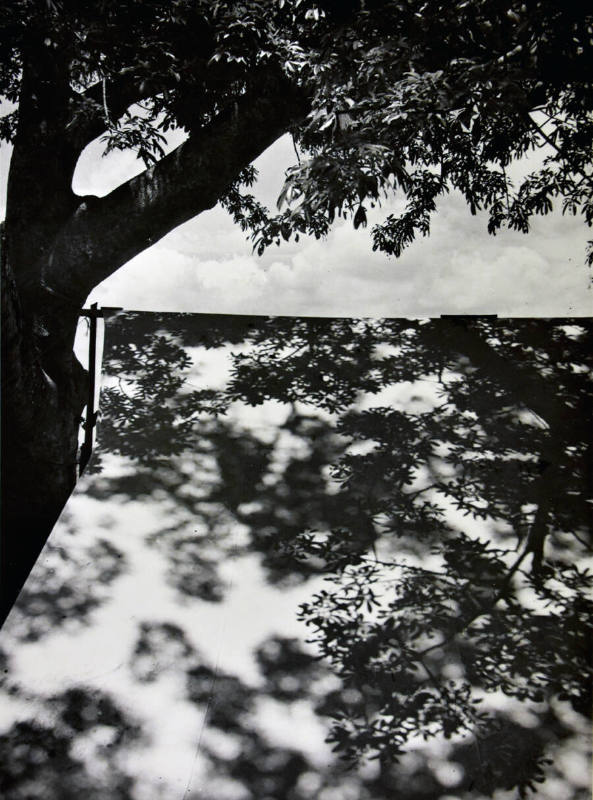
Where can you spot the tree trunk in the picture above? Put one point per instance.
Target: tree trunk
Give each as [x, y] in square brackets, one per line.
[43, 394]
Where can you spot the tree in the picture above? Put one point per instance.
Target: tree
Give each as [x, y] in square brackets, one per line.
[384, 95]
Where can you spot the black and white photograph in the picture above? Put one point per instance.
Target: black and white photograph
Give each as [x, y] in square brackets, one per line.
[297, 400]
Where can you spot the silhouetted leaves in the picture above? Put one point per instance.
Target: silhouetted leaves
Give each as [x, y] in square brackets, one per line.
[419, 98]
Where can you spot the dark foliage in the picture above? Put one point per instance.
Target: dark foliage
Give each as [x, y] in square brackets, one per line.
[419, 97]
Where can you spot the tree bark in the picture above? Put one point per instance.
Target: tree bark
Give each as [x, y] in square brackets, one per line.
[180, 186]
[40, 420]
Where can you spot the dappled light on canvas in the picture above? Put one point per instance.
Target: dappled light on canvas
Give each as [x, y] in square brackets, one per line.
[330, 558]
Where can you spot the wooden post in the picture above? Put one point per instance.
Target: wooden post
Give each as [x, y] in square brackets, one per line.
[91, 414]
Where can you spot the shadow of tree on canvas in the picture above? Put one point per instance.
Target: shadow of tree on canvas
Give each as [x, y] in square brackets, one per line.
[431, 481]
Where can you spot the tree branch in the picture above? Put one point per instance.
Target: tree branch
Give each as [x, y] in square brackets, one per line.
[117, 95]
[551, 143]
[104, 233]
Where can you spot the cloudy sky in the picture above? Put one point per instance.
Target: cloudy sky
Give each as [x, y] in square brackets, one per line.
[207, 265]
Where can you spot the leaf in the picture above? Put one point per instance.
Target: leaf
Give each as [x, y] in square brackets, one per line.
[360, 217]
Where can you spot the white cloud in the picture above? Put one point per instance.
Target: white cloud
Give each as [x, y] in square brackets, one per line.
[207, 264]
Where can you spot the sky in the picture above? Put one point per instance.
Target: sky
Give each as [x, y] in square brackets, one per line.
[207, 265]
